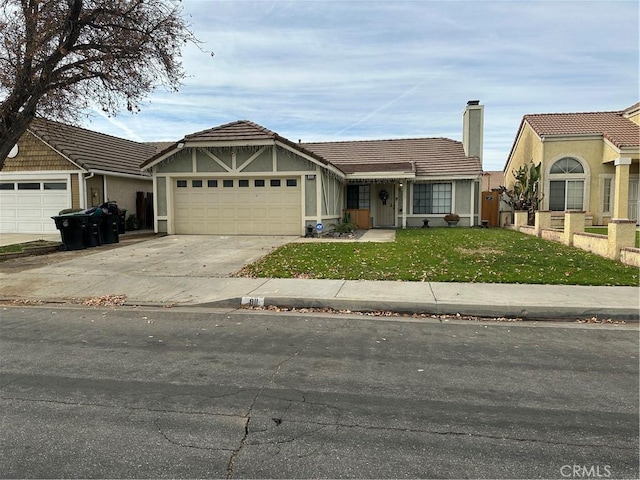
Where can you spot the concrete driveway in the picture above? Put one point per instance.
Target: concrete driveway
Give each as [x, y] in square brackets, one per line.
[173, 256]
[172, 269]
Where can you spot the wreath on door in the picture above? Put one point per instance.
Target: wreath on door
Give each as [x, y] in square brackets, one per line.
[383, 195]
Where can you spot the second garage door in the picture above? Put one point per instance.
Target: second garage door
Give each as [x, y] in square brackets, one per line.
[239, 206]
[27, 206]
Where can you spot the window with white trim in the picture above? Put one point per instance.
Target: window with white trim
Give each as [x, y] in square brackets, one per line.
[566, 185]
[607, 194]
[431, 198]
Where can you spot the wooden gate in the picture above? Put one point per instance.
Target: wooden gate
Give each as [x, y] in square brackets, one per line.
[491, 208]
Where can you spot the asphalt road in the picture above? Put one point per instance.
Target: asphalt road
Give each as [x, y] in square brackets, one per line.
[179, 393]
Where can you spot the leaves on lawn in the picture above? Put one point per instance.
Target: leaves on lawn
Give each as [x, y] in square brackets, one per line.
[446, 255]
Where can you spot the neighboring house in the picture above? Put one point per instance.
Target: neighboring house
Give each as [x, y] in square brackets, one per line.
[589, 161]
[241, 178]
[56, 166]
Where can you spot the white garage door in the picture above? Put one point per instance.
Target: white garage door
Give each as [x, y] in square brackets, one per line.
[248, 206]
[27, 206]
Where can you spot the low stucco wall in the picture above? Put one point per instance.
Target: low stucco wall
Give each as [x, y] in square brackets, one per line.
[630, 256]
[592, 242]
[553, 235]
[602, 245]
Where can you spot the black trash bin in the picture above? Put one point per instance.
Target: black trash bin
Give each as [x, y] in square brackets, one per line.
[121, 221]
[110, 228]
[93, 232]
[72, 230]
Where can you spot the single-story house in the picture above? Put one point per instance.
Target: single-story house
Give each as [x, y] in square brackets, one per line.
[56, 166]
[242, 178]
[589, 161]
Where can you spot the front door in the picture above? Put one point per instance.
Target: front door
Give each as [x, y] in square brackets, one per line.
[385, 205]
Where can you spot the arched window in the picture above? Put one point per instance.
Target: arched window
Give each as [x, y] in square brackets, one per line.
[566, 185]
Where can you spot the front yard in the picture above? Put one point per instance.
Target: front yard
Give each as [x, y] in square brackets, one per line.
[446, 255]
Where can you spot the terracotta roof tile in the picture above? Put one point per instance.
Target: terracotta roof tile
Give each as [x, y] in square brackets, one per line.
[430, 156]
[619, 130]
[93, 150]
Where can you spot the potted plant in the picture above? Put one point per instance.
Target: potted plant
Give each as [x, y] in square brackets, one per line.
[452, 219]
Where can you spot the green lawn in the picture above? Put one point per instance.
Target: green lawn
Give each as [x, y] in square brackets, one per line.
[604, 231]
[446, 255]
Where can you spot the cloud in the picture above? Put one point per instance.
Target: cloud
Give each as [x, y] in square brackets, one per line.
[328, 70]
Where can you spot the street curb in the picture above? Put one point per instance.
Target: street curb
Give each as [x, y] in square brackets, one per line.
[530, 312]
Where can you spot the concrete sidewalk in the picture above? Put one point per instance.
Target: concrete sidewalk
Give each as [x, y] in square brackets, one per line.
[477, 299]
[161, 271]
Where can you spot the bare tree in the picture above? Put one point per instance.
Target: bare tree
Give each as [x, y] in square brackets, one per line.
[59, 57]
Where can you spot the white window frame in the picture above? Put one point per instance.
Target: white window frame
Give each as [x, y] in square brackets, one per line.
[604, 179]
[584, 177]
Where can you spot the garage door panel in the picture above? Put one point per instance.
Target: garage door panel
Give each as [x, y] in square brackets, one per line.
[30, 211]
[238, 210]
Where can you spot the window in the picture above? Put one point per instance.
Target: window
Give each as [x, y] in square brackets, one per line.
[196, 183]
[566, 185]
[29, 186]
[181, 183]
[7, 186]
[212, 183]
[258, 183]
[55, 185]
[432, 197]
[292, 182]
[243, 183]
[567, 165]
[358, 196]
[227, 183]
[607, 195]
[274, 183]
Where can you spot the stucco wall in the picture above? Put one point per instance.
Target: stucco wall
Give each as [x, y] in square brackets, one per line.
[591, 242]
[310, 196]
[630, 256]
[528, 148]
[95, 191]
[123, 191]
[180, 162]
[290, 162]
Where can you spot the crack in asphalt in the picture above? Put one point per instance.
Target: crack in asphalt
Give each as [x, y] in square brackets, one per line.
[321, 425]
[156, 422]
[243, 440]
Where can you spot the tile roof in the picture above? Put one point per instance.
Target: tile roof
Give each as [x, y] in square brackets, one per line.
[239, 131]
[619, 130]
[422, 156]
[93, 150]
[429, 156]
[234, 131]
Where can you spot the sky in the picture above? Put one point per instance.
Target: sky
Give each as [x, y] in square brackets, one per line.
[359, 70]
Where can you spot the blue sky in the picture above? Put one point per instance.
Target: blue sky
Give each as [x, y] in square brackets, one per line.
[352, 70]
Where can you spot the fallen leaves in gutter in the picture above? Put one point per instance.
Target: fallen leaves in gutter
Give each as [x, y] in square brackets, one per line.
[105, 301]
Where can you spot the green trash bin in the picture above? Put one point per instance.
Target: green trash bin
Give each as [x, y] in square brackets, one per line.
[72, 230]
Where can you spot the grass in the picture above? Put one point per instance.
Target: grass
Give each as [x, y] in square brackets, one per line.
[446, 255]
[604, 231]
[20, 247]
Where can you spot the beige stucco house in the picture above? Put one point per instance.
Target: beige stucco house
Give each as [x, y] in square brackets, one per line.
[56, 166]
[589, 161]
[242, 178]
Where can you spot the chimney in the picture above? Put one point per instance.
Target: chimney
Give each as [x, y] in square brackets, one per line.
[473, 129]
